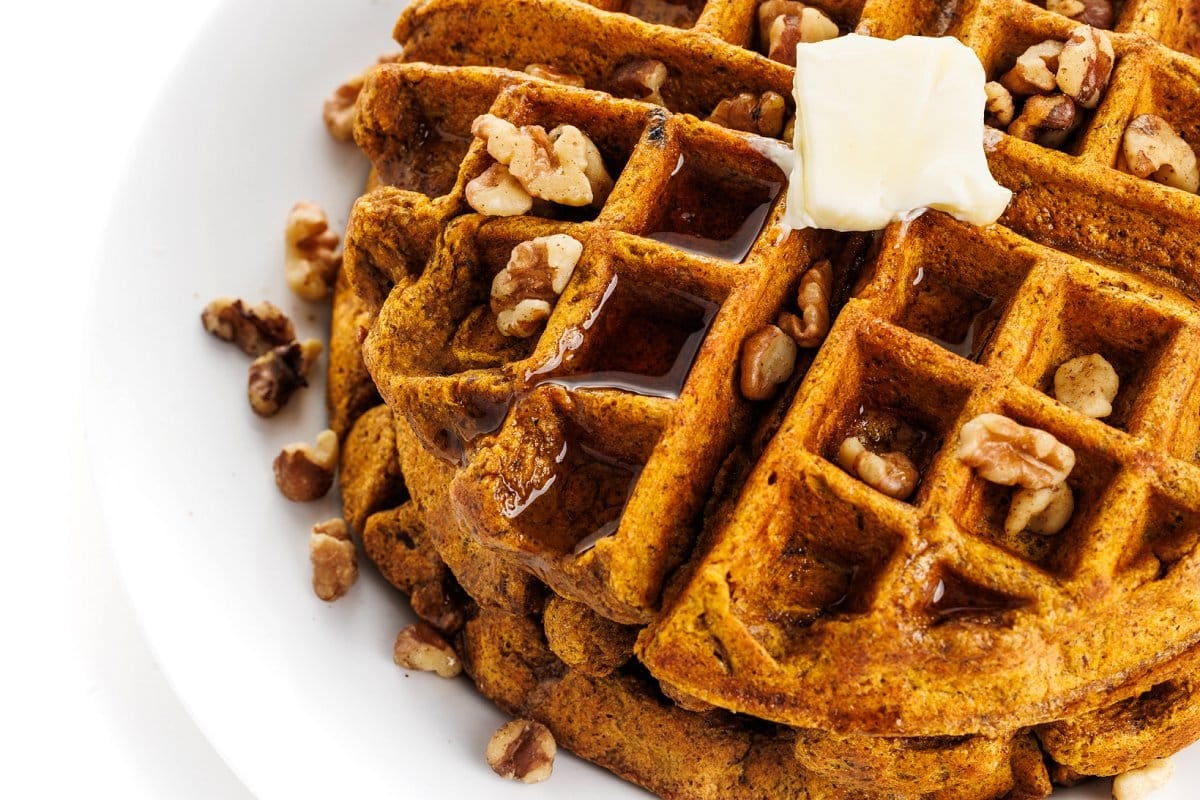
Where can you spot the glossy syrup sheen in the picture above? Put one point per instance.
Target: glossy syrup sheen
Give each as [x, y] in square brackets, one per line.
[712, 212]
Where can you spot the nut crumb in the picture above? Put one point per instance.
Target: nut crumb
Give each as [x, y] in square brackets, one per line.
[276, 375]
[893, 474]
[255, 329]
[305, 473]
[1046, 119]
[420, 647]
[1138, 784]
[1087, 384]
[1003, 451]
[522, 750]
[496, 193]
[311, 260]
[334, 560]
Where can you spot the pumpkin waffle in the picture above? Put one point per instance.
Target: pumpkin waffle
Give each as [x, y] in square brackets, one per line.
[612, 527]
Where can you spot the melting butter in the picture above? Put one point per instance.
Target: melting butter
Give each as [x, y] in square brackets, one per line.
[885, 130]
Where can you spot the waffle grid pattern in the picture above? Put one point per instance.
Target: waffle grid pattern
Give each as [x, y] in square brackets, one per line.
[772, 582]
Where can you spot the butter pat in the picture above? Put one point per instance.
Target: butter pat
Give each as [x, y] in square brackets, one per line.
[887, 129]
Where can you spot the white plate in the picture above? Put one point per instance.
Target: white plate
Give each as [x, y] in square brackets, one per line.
[300, 697]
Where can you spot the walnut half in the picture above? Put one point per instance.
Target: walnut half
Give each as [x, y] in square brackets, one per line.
[536, 274]
[1003, 451]
[562, 166]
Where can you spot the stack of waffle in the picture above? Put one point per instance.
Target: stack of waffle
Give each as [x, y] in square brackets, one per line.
[684, 584]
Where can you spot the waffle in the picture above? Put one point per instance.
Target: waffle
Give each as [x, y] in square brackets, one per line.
[613, 531]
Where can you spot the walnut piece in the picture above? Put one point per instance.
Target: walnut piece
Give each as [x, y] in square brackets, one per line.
[276, 375]
[420, 647]
[892, 473]
[548, 72]
[1003, 451]
[255, 329]
[311, 259]
[340, 111]
[1087, 384]
[536, 274]
[770, 10]
[787, 31]
[768, 360]
[1140, 783]
[305, 473]
[1097, 13]
[1154, 150]
[641, 80]
[1034, 72]
[761, 114]
[816, 286]
[999, 109]
[1046, 119]
[522, 750]
[496, 193]
[334, 561]
[1042, 511]
[1085, 65]
[562, 166]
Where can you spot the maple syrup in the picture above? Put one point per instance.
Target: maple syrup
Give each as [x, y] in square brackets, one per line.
[713, 212]
[955, 317]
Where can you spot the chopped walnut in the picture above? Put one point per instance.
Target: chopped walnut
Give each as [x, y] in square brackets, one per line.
[255, 329]
[762, 114]
[536, 274]
[787, 31]
[1004, 451]
[550, 73]
[1097, 13]
[1034, 72]
[1046, 119]
[334, 561]
[420, 647]
[522, 750]
[770, 10]
[305, 473]
[892, 473]
[341, 109]
[1042, 511]
[562, 166]
[641, 80]
[1087, 384]
[1140, 783]
[496, 193]
[276, 375]
[1085, 64]
[816, 287]
[311, 260]
[999, 110]
[768, 360]
[1154, 150]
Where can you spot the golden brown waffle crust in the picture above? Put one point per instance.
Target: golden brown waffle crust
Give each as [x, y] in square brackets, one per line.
[762, 578]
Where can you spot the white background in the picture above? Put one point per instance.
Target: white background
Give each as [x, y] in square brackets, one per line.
[84, 711]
